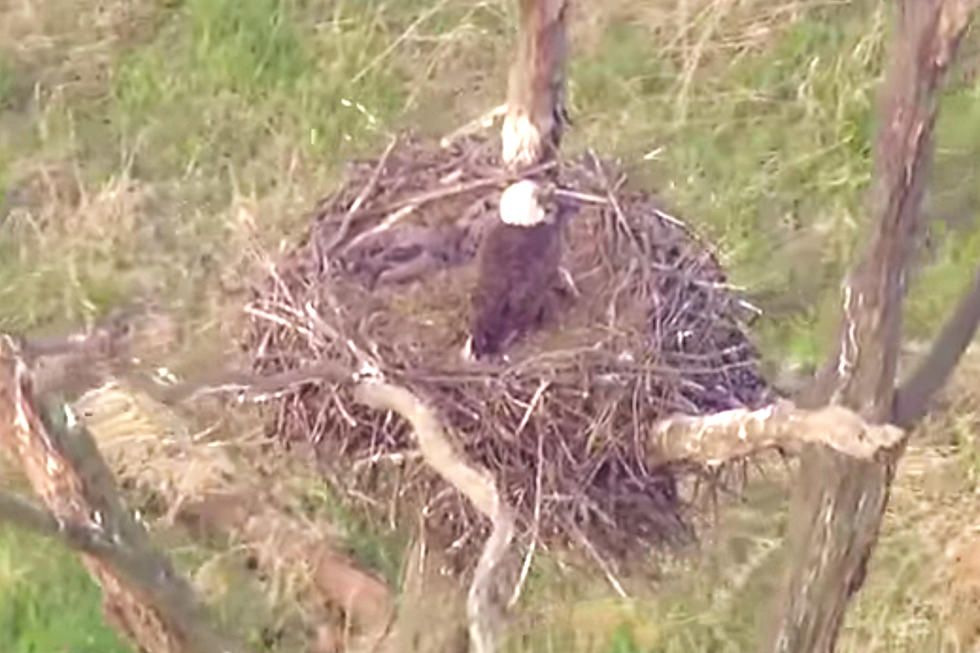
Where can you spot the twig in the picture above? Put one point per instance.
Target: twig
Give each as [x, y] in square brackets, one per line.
[361, 197]
[281, 321]
[475, 483]
[587, 198]
[385, 225]
[482, 122]
[535, 398]
[610, 193]
[456, 189]
[603, 564]
[526, 565]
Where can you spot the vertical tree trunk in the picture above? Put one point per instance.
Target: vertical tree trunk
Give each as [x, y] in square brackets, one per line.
[536, 95]
[837, 510]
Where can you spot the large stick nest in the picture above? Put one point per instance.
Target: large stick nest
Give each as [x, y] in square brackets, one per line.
[647, 328]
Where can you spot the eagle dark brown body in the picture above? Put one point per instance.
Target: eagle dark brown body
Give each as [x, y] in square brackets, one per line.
[518, 269]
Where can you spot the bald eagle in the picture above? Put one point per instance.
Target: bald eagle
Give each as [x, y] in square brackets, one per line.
[517, 269]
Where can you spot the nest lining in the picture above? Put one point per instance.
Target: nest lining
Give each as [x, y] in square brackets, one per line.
[646, 328]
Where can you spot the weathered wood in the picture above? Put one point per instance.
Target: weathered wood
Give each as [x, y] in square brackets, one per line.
[143, 596]
[536, 114]
[473, 482]
[838, 506]
[732, 434]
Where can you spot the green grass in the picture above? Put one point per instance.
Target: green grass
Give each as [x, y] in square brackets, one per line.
[146, 147]
[48, 602]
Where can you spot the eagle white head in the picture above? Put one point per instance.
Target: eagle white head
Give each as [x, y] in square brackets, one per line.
[521, 204]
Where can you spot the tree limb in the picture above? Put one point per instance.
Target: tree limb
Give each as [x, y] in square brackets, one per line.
[725, 436]
[913, 395]
[475, 483]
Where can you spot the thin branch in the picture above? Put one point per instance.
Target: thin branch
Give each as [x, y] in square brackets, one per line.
[482, 122]
[427, 196]
[913, 395]
[365, 193]
[526, 565]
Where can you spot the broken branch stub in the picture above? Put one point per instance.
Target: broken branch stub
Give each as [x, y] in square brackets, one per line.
[143, 596]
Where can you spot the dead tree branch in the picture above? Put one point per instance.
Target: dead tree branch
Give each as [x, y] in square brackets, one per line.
[477, 485]
[143, 596]
[913, 395]
[732, 434]
[839, 501]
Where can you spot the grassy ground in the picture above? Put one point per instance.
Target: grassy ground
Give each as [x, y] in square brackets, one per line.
[147, 146]
[48, 602]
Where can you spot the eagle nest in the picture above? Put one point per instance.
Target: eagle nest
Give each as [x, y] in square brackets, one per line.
[645, 326]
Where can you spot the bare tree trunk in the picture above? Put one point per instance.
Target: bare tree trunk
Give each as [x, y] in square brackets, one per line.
[838, 507]
[536, 115]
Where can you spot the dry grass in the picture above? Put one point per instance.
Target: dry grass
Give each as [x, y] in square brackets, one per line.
[752, 117]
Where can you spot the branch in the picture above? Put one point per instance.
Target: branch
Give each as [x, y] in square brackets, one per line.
[30, 517]
[731, 434]
[142, 594]
[26, 515]
[474, 483]
[252, 517]
[913, 395]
